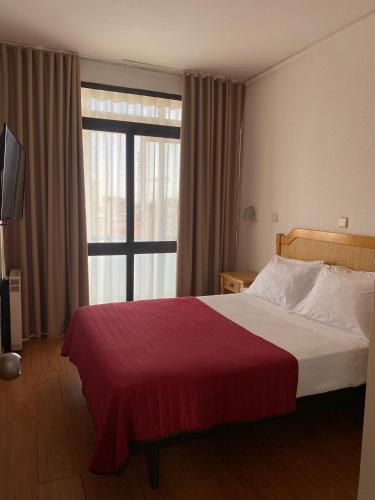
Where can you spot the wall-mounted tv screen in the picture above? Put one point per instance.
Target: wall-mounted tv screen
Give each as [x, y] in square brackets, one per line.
[12, 176]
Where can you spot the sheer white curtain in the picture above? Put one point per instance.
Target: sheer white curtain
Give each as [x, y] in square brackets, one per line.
[156, 188]
[107, 278]
[105, 185]
[130, 107]
[156, 191]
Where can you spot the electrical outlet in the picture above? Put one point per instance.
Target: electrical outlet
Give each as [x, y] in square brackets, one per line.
[343, 222]
[275, 217]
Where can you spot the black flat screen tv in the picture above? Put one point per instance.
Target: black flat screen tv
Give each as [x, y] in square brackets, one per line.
[12, 176]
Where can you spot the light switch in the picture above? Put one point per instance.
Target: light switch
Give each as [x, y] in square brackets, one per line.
[275, 217]
[343, 222]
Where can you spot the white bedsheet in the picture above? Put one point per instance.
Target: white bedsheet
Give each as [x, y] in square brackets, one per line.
[328, 358]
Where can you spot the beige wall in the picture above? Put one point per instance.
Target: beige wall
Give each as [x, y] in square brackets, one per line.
[129, 76]
[309, 155]
[309, 143]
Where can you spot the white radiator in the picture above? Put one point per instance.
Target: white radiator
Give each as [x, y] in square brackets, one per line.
[15, 309]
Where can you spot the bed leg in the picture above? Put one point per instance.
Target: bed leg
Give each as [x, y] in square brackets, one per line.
[153, 467]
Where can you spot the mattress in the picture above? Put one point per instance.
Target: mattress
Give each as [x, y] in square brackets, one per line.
[328, 358]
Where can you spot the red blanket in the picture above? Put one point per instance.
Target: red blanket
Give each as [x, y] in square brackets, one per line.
[154, 368]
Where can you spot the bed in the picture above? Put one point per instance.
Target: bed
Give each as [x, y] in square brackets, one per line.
[155, 371]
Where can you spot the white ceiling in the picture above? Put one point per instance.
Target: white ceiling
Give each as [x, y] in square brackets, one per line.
[236, 38]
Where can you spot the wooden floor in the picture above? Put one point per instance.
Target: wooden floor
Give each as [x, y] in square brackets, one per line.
[46, 439]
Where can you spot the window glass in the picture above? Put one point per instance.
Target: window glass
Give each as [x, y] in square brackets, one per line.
[144, 183]
[154, 276]
[156, 188]
[107, 278]
[105, 185]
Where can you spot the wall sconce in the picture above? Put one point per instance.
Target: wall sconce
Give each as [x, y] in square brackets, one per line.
[250, 214]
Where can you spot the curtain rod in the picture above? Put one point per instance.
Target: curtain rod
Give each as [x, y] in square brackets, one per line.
[134, 64]
[160, 69]
[39, 47]
[126, 62]
[210, 75]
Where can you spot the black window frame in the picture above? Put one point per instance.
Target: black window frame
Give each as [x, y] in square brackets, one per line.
[131, 129]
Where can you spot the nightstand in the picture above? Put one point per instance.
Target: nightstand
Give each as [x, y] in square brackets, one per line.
[233, 282]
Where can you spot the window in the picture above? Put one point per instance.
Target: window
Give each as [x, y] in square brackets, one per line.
[131, 142]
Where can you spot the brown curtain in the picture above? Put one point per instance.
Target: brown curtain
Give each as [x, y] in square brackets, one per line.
[210, 151]
[40, 101]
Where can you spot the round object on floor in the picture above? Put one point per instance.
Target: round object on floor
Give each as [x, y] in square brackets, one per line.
[10, 365]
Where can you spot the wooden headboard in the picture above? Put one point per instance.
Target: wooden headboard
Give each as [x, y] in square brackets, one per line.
[350, 250]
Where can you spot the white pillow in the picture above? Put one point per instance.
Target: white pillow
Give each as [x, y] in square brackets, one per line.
[341, 298]
[285, 282]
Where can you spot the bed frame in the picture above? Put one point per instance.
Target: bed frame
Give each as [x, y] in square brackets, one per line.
[353, 251]
[339, 249]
